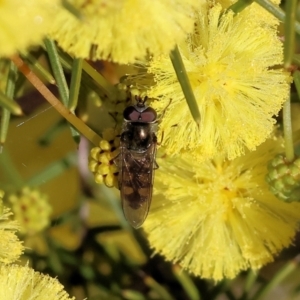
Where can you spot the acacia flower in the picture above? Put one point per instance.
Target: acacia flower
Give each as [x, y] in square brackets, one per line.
[32, 210]
[218, 217]
[23, 23]
[257, 10]
[102, 158]
[23, 283]
[10, 246]
[229, 61]
[123, 31]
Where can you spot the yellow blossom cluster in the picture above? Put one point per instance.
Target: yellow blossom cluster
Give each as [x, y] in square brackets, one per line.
[218, 217]
[123, 31]
[97, 29]
[212, 211]
[22, 282]
[23, 24]
[230, 64]
[11, 248]
[32, 210]
[102, 160]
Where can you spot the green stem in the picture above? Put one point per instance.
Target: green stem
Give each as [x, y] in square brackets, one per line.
[53, 170]
[39, 85]
[185, 84]
[38, 68]
[250, 280]
[10, 105]
[65, 60]
[60, 79]
[287, 130]
[53, 258]
[82, 107]
[105, 86]
[9, 91]
[289, 48]
[187, 283]
[75, 83]
[240, 5]
[52, 132]
[72, 9]
[296, 76]
[160, 290]
[132, 295]
[10, 171]
[110, 197]
[91, 77]
[289, 32]
[57, 71]
[277, 12]
[286, 270]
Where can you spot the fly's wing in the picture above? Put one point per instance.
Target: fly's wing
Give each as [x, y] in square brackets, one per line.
[136, 183]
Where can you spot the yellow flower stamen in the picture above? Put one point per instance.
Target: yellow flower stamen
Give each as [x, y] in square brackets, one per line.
[20, 283]
[31, 209]
[11, 247]
[229, 61]
[218, 217]
[102, 159]
[15, 15]
[125, 30]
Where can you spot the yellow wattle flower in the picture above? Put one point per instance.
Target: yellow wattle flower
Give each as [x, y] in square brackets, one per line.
[101, 159]
[258, 11]
[22, 283]
[31, 209]
[229, 61]
[23, 24]
[11, 248]
[123, 31]
[218, 217]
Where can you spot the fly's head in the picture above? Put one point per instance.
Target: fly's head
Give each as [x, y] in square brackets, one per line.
[140, 113]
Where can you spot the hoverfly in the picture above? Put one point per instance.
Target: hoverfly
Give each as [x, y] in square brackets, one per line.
[137, 161]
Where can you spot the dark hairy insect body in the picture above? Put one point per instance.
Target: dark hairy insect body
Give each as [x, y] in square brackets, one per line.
[137, 161]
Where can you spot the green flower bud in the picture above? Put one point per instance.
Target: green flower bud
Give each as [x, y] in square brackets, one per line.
[284, 178]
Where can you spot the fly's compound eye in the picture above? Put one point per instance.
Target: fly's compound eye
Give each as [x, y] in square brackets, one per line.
[148, 115]
[132, 114]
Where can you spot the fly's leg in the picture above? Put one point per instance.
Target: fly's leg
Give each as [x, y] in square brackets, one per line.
[155, 164]
[161, 139]
[164, 111]
[113, 115]
[162, 115]
[117, 162]
[118, 159]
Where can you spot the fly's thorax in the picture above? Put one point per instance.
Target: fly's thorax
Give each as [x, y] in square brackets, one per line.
[138, 136]
[128, 125]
